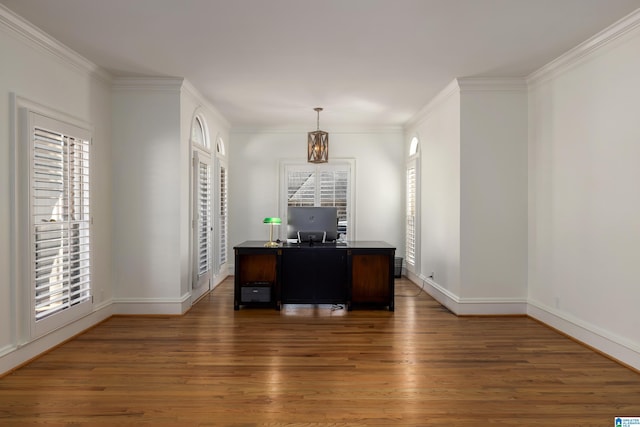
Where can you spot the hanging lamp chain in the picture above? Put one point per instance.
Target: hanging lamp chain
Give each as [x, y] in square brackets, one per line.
[318, 109]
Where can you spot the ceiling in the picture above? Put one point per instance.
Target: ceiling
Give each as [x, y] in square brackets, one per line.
[367, 62]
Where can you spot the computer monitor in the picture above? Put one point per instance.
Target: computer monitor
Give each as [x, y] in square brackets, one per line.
[315, 223]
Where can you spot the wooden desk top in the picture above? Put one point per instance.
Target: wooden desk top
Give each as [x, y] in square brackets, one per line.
[359, 244]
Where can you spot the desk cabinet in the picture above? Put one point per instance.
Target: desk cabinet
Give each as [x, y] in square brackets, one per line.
[372, 281]
[256, 277]
[358, 274]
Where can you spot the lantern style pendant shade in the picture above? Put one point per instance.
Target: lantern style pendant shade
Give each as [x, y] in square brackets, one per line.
[318, 144]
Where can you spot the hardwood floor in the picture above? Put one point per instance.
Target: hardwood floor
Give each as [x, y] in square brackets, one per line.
[313, 366]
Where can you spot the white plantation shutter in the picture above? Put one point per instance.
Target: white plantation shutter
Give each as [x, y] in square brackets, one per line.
[202, 208]
[222, 216]
[334, 190]
[410, 243]
[204, 218]
[301, 188]
[319, 185]
[60, 222]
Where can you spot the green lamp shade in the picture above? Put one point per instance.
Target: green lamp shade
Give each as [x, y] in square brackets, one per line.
[272, 221]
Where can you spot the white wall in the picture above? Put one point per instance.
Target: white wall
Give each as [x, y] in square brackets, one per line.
[473, 196]
[152, 202]
[148, 181]
[60, 80]
[493, 199]
[584, 229]
[438, 130]
[379, 179]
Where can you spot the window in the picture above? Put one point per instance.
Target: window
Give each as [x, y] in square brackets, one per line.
[202, 199]
[222, 216]
[222, 204]
[410, 243]
[220, 147]
[60, 222]
[412, 213]
[198, 134]
[203, 229]
[320, 185]
[413, 147]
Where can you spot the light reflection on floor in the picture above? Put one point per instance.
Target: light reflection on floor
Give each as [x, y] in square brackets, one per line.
[314, 310]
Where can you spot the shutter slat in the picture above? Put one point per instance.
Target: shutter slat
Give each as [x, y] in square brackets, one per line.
[204, 215]
[319, 185]
[60, 206]
[410, 243]
[222, 237]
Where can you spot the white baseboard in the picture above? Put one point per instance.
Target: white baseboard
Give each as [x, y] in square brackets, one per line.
[615, 347]
[152, 306]
[470, 306]
[14, 356]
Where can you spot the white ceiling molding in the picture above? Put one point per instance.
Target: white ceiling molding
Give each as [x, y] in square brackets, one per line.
[492, 84]
[334, 130]
[33, 36]
[190, 88]
[153, 84]
[266, 72]
[579, 53]
[453, 88]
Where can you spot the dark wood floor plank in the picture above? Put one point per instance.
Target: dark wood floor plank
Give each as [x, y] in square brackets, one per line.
[320, 366]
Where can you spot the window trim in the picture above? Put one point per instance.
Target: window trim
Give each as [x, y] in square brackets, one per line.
[414, 147]
[206, 141]
[25, 327]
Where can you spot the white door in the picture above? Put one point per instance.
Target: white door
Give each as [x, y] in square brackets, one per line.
[202, 225]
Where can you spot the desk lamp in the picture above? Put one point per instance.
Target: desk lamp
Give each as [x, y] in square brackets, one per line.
[271, 221]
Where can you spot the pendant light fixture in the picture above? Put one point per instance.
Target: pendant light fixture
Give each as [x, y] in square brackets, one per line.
[318, 144]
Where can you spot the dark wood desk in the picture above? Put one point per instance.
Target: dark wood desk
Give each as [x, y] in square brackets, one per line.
[357, 274]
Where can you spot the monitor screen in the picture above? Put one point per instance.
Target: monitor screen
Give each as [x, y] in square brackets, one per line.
[311, 223]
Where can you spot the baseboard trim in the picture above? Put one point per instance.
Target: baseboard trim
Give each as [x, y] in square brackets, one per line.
[471, 306]
[155, 306]
[15, 356]
[614, 347]
[609, 345]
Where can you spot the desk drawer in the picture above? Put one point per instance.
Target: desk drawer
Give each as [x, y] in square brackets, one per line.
[255, 293]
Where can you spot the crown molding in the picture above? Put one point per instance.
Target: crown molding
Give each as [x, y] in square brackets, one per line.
[449, 90]
[335, 130]
[585, 49]
[150, 84]
[492, 84]
[193, 91]
[33, 36]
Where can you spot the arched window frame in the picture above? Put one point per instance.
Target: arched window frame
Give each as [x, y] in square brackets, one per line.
[414, 146]
[220, 148]
[199, 133]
